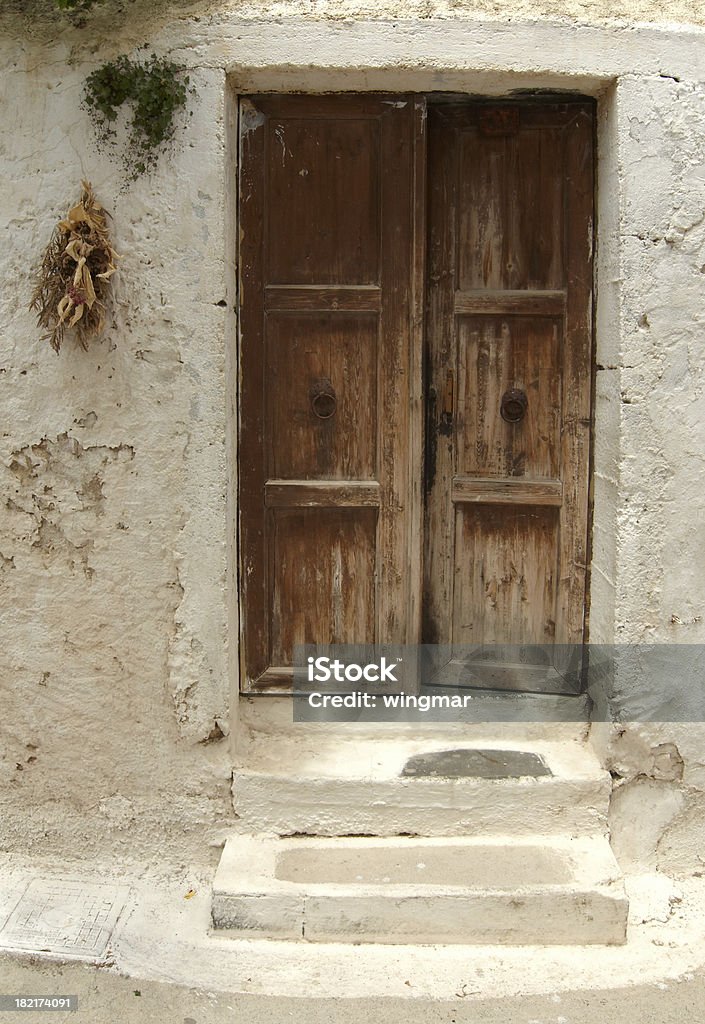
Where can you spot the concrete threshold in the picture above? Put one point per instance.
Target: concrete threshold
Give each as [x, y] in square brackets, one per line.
[491, 890]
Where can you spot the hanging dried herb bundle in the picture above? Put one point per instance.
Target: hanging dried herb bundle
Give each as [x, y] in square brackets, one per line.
[74, 276]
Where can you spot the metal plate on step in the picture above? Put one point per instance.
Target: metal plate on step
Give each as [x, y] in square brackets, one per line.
[472, 762]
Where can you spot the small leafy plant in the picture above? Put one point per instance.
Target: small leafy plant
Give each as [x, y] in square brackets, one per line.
[156, 89]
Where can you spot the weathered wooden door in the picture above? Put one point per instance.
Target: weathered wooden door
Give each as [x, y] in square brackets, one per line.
[326, 309]
[508, 342]
[336, 364]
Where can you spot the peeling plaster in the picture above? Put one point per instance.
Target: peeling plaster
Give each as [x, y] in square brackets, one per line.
[112, 469]
[59, 488]
[112, 462]
[640, 813]
[657, 809]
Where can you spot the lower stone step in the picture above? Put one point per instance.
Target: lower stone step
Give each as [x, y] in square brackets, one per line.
[493, 890]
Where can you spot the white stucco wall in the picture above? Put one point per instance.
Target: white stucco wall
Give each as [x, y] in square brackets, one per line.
[650, 443]
[114, 678]
[117, 489]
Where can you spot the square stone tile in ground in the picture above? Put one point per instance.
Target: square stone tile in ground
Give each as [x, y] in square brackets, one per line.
[56, 915]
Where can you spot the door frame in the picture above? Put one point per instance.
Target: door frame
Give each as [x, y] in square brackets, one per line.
[416, 391]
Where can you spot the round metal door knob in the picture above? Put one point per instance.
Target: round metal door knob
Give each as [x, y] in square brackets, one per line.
[324, 401]
[513, 405]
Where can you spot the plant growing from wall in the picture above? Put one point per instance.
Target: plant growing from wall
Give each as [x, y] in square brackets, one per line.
[156, 90]
[73, 279]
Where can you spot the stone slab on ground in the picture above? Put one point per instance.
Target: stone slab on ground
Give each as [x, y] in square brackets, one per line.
[64, 916]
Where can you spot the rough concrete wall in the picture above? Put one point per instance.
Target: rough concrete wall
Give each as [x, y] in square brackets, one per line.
[140, 16]
[661, 517]
[114, 526]
[657, 809]
[651, 388]
[112, 533]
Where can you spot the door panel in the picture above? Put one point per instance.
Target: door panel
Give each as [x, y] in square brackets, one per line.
[494, 355]
[509, 233]
[508, 555]
[323, 179]
[306, 347]
[328, 555]
[326, 320]
[508, 363]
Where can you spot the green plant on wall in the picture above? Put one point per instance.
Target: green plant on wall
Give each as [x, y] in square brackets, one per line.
[156, 90]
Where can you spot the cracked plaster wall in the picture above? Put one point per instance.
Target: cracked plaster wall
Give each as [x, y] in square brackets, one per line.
[114, 687]
[649, 558]
[657, 810]
[114, 529]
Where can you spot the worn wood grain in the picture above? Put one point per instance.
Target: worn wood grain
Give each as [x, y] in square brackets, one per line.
[505, 590]
[440, 357]
[413, 264]
[516, 490]
[323, 578]
[415, 454]
[538, 302]
[496, 354]
[303, 349]
[367, 298]
[326, 319]
[508, 310]
[322, 493]
[577, 365]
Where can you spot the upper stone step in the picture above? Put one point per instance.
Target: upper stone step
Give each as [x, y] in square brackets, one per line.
[335, 783]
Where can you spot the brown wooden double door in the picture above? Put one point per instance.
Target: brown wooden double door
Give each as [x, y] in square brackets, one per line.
[415, 372]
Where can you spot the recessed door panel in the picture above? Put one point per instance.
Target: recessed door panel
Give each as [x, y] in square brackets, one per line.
[510, 195]
[324, 215]
[321, 371]
[505, 574]
[496, 355]
[323, 564]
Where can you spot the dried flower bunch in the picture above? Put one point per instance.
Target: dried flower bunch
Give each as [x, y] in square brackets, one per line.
[74, 276]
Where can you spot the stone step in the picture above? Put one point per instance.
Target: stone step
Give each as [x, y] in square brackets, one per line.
[336, 784]
[490, 890]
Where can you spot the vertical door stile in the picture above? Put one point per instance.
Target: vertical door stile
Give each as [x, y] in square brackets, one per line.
[416, 447]
[439, 356]
[577, 374]
[251, 468]
[395, 368]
